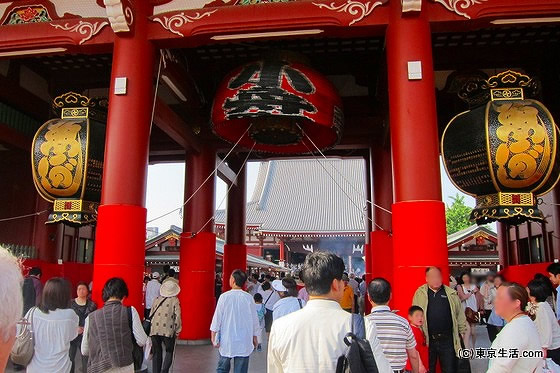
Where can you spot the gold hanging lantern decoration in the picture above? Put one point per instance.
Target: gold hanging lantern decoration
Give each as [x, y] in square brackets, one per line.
[67, 158]
[504, 150]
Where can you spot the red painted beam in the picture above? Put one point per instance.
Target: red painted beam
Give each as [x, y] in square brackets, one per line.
[170, 123]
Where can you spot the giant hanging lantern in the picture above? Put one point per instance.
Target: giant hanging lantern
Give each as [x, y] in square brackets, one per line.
[504, 151]
[275, 105]
[67, 158]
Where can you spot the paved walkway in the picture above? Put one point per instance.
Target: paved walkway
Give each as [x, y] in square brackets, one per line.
[204, 359]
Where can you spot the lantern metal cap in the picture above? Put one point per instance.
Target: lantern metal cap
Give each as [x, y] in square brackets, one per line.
[507, 85]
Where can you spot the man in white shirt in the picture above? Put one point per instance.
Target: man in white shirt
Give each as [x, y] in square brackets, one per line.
[152, 292]
[311, 340]
[235, 326]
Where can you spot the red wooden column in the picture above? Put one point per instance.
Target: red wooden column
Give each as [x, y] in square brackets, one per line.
[380, 239]
[419, 233]
[503, 244]
[197, 261]
[126, 158]
[235, 249]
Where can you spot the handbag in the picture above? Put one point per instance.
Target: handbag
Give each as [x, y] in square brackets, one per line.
[472, 316]
[24, 345]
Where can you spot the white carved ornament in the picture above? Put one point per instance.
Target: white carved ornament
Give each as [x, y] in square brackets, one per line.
[178, 20]
[458, 6]
[308, 247]
[119, 15]
[88, 29]
[357, 248]
[353, 7]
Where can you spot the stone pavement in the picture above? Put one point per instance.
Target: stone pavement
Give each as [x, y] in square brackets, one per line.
[204, 359]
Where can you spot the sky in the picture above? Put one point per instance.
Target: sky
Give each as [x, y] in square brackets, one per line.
[165, 192]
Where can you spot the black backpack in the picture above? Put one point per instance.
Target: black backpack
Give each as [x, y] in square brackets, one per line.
[359, 357]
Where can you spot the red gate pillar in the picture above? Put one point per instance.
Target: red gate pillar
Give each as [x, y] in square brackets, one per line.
[197, 260]
[419, 233]
[380, 239]
[235, 250]
[126, 158]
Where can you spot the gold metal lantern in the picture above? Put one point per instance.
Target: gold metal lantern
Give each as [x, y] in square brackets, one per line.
[504, 151]
[67, 158]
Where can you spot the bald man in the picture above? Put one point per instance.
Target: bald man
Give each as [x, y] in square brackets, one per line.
[445, 320]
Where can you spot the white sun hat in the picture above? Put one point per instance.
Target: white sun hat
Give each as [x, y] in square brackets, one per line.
[169, 289]
[278, 286]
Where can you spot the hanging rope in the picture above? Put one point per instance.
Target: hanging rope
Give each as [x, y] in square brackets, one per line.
[156, 90]
[227, 192]
[337, 184]
[24, 216]
[340, 173]
[205, 180]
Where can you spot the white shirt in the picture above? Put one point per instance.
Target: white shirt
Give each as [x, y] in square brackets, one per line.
[286, 306]
[312, 339]
[252, 288]
[137, 329]
[470, 301]
[486, 290]
[152, 292]
[53, 332]
[270, 297]
[235, 320]
[547, 326]
[521, 334]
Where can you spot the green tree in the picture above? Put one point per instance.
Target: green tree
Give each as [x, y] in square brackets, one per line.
[457, 214]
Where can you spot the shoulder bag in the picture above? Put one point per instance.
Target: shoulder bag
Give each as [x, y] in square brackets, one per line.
[147, 323]
[137, 351]
[24, 346]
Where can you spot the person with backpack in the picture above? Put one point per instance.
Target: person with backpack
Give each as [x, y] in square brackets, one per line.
[261, 310]
[313, 339]
[111, 333]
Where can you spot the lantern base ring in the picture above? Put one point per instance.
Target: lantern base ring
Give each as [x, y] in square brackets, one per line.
[511, 214]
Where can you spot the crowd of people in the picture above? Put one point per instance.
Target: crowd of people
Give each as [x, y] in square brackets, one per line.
[307, 324]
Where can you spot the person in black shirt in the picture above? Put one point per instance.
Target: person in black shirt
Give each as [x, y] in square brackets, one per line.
[83, 306]
[445, 321]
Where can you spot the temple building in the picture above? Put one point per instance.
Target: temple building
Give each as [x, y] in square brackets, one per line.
[92, 91]
[300, 206]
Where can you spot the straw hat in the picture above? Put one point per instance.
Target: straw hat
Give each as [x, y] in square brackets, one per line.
[155, 275]
[169, 289]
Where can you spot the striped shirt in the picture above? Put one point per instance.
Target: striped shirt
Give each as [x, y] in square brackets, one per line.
[394, 334]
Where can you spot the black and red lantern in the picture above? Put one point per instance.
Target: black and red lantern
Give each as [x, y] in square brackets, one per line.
[504, 151]
[278, 107]
[67, 158]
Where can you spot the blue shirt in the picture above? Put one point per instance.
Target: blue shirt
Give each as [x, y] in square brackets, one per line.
[495, 320]
[558, 304]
